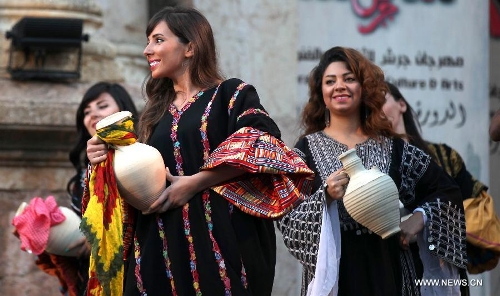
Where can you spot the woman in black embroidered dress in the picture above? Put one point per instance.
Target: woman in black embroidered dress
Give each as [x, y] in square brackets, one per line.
[344, 111]
[199, 238]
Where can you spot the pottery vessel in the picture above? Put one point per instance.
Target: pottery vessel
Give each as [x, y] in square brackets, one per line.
[371, 197]
[403, 212]
[62, 235]
[139, 168]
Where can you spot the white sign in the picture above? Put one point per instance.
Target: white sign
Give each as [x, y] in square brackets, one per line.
[435, 51]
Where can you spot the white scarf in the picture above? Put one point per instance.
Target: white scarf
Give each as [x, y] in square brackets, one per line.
[326, 276]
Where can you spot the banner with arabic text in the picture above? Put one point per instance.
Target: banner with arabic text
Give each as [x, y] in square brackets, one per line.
[435, 51]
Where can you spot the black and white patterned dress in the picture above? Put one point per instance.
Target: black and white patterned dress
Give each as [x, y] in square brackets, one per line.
[370, 265]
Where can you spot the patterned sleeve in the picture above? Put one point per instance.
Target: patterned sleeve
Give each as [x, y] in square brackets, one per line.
[301, 228]
[277, 179]
[426, 185]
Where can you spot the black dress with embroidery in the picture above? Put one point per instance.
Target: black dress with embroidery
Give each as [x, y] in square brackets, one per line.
[209, 246]
[370, 265]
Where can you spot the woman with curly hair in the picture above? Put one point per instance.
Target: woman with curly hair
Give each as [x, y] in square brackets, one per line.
[338, 254]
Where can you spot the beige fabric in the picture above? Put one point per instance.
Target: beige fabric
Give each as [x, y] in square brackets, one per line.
[483, 229]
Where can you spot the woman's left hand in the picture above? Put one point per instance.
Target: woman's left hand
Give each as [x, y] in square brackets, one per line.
[97, 150]
[409, 229]
[177, 194]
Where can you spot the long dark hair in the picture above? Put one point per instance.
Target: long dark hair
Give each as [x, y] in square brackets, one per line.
[371, 78]
[190, 26]
[410, 121]
[77, 155]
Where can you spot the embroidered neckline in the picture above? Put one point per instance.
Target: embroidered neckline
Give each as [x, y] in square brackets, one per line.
[366, 142]
[191, 100]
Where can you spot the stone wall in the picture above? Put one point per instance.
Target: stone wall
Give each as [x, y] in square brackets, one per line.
[37, 117]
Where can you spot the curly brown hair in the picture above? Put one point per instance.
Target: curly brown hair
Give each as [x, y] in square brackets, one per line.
[373, 120]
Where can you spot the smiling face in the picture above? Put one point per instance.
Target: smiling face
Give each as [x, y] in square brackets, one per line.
[167, 56]
[341, 89]
[96, 110]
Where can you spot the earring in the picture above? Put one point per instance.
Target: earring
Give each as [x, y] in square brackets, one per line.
[327, 117]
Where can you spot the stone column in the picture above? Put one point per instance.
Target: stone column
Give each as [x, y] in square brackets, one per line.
[257, 41]
[124, 27]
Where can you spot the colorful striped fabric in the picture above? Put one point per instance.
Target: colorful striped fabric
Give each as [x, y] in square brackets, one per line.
[280, 178]
[107, 219]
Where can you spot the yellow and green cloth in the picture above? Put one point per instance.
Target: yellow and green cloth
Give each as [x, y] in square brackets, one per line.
[107, 219]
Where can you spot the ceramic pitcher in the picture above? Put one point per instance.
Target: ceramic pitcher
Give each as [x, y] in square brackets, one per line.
[371, 197]
[139, 168]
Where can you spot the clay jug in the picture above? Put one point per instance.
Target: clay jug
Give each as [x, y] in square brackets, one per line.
[61, 235]
[371, 197]
[139, 169]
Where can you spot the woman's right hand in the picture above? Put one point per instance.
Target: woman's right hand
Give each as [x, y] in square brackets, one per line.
[336, 185]
[409, 229]
[178, 193]
[97, 150]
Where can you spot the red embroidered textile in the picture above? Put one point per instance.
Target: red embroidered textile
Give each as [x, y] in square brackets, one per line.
[64, 268]
[280, 178]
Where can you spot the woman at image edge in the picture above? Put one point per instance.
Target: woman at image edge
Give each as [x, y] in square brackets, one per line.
[483, 236]
[99, 101]
[344, 111]
[198, 239]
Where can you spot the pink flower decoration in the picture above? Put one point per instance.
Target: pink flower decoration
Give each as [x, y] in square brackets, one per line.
[33, 224]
